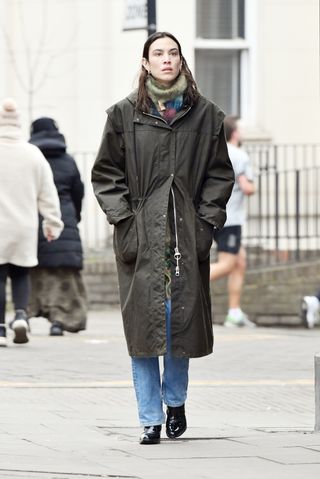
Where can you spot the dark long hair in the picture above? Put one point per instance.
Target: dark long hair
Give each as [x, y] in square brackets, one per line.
[191, 94]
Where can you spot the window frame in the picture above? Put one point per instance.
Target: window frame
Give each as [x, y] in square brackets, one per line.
[246, 48]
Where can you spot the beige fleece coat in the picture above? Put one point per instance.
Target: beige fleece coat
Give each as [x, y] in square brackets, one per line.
[26, 189]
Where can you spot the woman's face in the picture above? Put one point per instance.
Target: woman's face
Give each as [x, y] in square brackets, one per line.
[164, 61]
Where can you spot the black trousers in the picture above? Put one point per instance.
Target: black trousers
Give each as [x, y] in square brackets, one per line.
[20, 286]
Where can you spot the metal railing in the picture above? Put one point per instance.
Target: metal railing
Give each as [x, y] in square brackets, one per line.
[283, 222]
[95, 231]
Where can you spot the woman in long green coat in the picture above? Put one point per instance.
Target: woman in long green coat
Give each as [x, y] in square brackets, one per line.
[163, 178]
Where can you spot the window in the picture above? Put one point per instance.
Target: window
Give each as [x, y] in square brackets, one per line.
[219, 72]
[220, 19]
[220, 45]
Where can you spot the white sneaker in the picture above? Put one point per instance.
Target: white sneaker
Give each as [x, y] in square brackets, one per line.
[310, 306]
[243, 320]
[3, 338]
[247, 322]
[232, 322]
[20, 327]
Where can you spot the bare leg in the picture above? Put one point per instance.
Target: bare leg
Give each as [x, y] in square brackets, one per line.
[223, 267]
[236, 279]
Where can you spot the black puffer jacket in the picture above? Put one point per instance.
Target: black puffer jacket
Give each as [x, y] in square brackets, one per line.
[67, 250]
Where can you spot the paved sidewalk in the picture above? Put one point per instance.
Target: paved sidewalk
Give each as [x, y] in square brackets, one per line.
[68, 408]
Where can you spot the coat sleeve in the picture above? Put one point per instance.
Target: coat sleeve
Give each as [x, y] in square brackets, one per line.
[77, 190]
[48, 201]
[108, 175]
[218, 184]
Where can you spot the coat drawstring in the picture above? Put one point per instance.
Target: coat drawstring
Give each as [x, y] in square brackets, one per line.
[177, 254]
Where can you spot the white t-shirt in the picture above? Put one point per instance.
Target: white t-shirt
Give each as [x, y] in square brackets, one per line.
[236, 207]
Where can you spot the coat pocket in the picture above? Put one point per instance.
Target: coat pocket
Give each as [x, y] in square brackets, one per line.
[125, 240]
[204, 237]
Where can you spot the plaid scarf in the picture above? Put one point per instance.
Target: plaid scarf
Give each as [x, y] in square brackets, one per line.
[166, 101]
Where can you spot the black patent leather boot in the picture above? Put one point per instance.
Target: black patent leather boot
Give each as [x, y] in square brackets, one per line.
[176, 423]
[151, 435]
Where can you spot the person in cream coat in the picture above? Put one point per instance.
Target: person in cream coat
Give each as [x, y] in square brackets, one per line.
[26, 189]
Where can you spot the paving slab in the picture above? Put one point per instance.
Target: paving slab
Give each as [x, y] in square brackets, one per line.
[68, 408]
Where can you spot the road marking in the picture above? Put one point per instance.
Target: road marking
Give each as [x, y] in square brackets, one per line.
[245, 337]
[254, 382]
[128, 383]
[219, 338]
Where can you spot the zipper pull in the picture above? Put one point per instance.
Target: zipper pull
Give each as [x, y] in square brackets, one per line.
[177, 257]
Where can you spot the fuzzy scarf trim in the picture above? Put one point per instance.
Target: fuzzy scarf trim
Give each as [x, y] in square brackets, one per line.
[160, 94]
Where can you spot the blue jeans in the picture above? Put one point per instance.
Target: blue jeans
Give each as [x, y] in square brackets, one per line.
[150, 392]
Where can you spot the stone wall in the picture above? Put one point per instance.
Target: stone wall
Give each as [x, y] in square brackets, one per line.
[271, 296]
[102, 283]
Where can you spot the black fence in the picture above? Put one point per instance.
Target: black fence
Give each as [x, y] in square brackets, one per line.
[283, 222]
[283, 216]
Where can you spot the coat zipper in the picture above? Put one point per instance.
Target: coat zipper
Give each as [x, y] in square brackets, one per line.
[177, 254]
[156, 117]
[181, 114]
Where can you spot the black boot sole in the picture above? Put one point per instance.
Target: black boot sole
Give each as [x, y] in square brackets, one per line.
[171, 435]
[146, 441]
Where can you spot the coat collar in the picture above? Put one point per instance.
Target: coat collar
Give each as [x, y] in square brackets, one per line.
[10, 132]
[132, 97]
[147, 118]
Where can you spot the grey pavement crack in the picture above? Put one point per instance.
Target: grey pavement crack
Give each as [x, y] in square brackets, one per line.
[68, 474]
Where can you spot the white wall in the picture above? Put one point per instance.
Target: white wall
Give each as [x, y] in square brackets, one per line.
[2, 51]
[288, 70]
[94, 63]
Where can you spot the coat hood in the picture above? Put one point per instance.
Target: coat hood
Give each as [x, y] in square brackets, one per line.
[51, 143]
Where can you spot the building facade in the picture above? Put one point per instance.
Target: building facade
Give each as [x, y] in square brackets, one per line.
[70, 59]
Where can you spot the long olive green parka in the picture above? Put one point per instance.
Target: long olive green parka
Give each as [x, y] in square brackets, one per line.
[147, 174]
